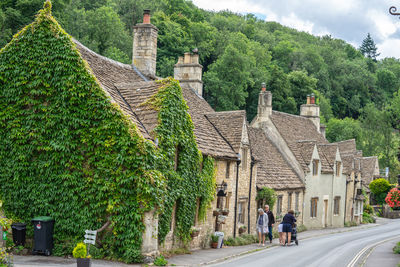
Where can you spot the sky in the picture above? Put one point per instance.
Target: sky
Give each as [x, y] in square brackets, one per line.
[349, 20]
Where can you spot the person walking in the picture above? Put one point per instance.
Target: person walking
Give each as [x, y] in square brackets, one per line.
[287, 224]
[262, 226]
[271, 221]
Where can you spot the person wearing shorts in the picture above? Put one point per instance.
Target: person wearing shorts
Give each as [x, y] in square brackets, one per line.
[262, 226]
[281, 240]
[287, 224]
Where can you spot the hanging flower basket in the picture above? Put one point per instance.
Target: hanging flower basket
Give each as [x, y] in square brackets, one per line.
[215, 212]
[225, 212]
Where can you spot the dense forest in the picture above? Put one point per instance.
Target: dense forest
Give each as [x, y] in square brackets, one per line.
[358, 94]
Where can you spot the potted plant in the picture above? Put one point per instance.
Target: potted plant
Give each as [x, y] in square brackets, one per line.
[225, 212]
[80, 251]
[242, 229]
[214, 241]
[194, 232]
[216, 212]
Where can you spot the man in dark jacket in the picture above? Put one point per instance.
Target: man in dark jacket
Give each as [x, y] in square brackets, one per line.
[271, 221]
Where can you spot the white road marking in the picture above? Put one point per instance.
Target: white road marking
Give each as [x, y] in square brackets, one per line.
[359, 254]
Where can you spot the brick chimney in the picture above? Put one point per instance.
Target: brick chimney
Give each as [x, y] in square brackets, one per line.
[311, 111]
[188, 72]
[145, 46]
[264, 109]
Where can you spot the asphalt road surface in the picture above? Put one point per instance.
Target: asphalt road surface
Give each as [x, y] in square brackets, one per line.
[348, 249]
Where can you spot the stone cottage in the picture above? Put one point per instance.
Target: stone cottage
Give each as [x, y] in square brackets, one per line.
[316, 163]
[352, 173]
[221, 135]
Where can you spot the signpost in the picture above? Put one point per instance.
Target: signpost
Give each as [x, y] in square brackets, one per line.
[90, 238]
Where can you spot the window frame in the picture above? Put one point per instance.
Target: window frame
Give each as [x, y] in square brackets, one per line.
[336, 205]
[315, 167]
[279, 204]
[314, 207]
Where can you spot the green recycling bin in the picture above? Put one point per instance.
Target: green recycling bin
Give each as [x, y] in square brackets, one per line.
[43, 227]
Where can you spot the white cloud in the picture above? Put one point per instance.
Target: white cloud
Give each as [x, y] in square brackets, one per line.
[389, 48]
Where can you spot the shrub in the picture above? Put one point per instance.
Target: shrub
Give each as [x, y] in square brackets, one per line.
[367, 218]
[301, 228]
[160, 261]
[242, 240]
[396, 249]
[80, 251]
[368, 209]
[350, 224]
[380, 187]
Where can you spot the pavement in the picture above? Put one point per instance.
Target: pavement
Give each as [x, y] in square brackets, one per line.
[345, 248]
[382, 255]
[196, 257]
[212, 256]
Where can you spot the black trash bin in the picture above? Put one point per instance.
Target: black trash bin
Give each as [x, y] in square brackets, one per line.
[43, 235]
[19, 233]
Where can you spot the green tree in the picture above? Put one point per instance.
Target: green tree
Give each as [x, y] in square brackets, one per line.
[267, 195]
[343, 129]
[380, 187]
[368, 48]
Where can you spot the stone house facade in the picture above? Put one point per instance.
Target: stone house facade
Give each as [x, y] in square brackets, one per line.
[221, 135]
[315, 162]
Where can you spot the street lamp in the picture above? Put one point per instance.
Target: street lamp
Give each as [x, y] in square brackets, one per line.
[392, 11]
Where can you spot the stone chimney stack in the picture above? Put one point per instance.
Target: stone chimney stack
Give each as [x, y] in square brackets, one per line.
[145, 46]
[188, 72]
[264, 109]
[311, 111]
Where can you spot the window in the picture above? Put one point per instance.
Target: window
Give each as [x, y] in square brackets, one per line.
[336, 205]
[315, 167]
[228, 197]
[357, 209]
[244, 159]
[289, 205]
[296, 202]
[279, 205]
[338, 165]
[220, 202]
[314, 203]
[228, 168]
[241, 213]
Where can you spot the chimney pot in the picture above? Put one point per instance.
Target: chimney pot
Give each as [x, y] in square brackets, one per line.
[308, 100]
[263, 87]
[312, 98]
[146, 16]
[187, 58]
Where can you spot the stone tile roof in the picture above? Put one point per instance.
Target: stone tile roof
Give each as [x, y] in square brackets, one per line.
[347, 146]
[303, 151]
[327, 154]
[295, 128]
[109, 72]
[347, 163]
[368, 166]
[129, 89]
[348, 152]
[272, 169]
[230, 125]
[209, 140]
[136, 94]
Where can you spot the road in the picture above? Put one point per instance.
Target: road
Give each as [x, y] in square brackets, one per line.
[347, 249]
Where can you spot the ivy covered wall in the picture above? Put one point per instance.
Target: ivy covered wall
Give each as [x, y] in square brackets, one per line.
[68, 152]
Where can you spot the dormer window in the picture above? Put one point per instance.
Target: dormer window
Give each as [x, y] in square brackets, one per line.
[315, 167]
[338, 165]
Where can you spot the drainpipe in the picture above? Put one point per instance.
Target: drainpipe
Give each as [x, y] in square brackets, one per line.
[236, 194]
[248, 208]
[345, 202]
